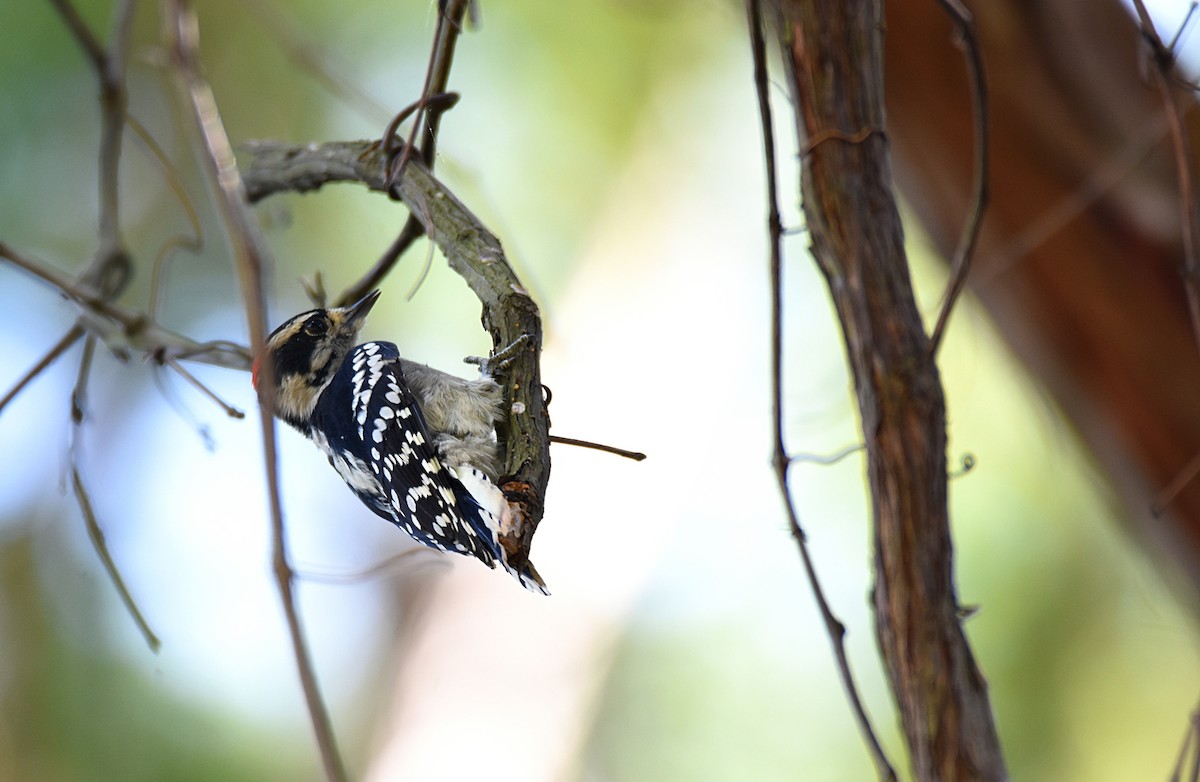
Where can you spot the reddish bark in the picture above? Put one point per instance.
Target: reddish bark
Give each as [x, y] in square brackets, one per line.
[1086, 290]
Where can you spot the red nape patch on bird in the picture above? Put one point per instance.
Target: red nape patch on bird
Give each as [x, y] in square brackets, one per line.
[254, 370]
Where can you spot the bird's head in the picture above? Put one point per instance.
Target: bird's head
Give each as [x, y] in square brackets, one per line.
[306, 351]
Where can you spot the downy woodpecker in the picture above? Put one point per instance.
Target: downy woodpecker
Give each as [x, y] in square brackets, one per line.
[416, 445]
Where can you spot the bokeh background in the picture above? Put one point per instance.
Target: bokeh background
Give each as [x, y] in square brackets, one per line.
[613, 147]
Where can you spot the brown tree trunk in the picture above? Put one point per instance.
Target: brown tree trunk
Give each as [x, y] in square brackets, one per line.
[1080, 256]
[834, 52]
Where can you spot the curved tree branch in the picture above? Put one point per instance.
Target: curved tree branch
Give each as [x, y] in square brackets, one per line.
[509, 314]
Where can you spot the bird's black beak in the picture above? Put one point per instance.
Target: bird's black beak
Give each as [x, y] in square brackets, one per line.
[356, 313]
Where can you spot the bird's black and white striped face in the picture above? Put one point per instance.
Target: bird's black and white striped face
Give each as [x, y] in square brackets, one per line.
[306, 352]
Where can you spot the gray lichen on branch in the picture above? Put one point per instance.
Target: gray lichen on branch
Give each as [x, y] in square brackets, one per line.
[509, 314]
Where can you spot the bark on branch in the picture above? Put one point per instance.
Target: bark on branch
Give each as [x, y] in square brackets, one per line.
[834, 52]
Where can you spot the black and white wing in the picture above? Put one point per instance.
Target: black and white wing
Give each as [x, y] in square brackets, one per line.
[426, 499]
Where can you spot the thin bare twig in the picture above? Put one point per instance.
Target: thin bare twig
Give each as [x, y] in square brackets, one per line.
[83, 35]
[82, 293]
[1163, 63]
[109, 270]
[425, 269]
[113, 104]
[1163, 60]
[79, 392]
[78, 413]
[229, 409]
[442, 101]
[961, 265]
[1187, 20]
[966, 465]
[122, 328]
[305, 573]
[1099, 182]
[1169, 492]
[833, 626]
[250, 253]
[437, 77]
[98, 543]
[827, 459]
[1189, 751]
[60, 347]
[195, 242]
[637, 456]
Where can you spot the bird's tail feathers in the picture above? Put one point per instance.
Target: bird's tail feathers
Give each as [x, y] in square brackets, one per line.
[495, 514]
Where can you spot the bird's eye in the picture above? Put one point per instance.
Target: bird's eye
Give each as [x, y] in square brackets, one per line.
[316, 327]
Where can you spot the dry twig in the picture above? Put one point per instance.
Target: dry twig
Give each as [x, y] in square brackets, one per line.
[70, 338]
[250, 255]
[1163, 61]
[1163, 64]
[96, 535]
[429, 114]
[1189, 752]
[834, 629]
[961, 265]
[109, 270]
[125, 330]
